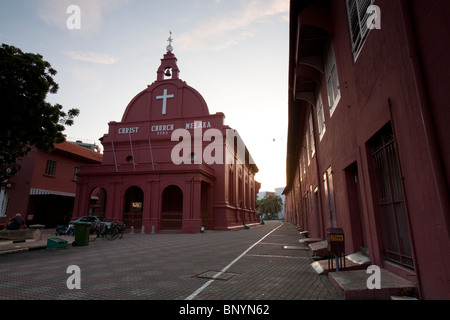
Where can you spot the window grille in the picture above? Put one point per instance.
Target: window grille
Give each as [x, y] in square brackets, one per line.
[393, 213]
[50, 168]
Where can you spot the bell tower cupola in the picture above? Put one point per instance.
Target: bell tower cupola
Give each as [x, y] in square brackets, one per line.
[168, 70]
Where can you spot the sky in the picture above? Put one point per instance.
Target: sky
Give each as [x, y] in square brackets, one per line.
[233, 52]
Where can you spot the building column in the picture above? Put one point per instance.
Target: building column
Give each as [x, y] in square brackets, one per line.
[81, 204]
[116, 202]
[210, 206]
[192, 221]
[146, 212]
[155, 206]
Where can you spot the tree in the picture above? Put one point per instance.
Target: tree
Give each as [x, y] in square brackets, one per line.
[271, 204]
[26, 119]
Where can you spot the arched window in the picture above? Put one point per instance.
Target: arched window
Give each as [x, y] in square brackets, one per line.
[97, 202]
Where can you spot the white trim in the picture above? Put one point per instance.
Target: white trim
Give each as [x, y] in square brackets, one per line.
[331, 77]
[312, 143]
[320, 117]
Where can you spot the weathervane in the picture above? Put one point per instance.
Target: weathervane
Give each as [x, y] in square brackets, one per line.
[169, 48]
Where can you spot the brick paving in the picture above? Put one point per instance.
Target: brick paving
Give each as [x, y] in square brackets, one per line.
[172, 267]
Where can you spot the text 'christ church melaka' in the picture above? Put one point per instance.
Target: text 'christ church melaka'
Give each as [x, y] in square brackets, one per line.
[170, 165]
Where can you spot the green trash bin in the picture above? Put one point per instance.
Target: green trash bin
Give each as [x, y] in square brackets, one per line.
[82, 230]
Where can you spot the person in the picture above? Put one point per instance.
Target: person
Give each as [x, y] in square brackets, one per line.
[16, 223]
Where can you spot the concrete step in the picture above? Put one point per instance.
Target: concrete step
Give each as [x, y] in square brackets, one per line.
[319, 248]
[324, 267]
[309, 240]
[353, 285]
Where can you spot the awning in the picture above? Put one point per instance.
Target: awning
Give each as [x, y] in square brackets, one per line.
[42, 192]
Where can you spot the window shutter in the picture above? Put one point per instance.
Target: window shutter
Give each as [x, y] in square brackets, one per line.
[320, 117]
[331, 77]
[357, 17]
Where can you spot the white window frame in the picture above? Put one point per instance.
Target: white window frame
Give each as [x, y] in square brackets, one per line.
[304, 162]
[50, 168]
[332, 78]
[320, 117]
[357, 22]
[312, 143]
[307, 147]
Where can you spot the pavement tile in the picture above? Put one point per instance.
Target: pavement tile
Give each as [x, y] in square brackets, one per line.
[166, 267]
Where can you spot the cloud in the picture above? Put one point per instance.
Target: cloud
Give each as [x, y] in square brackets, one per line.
[92, 57]
[230, 29]
[54, 12]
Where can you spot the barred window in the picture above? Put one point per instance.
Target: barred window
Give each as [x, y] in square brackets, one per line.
[50, 168]
[357, 18]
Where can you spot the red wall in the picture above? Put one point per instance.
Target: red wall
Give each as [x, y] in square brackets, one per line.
[138, 151]
[32, 176]
[401, 77]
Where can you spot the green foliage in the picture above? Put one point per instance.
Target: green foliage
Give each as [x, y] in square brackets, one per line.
[271, 204]
[26, 119]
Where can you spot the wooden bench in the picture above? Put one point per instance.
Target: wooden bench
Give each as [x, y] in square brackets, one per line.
[33, 232]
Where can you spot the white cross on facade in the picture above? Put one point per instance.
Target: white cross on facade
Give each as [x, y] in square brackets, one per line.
[164, 98]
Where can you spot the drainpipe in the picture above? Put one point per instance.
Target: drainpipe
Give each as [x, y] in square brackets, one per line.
[437, 167]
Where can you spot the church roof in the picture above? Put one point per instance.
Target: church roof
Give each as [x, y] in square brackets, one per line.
[78, 151]
[166, 98]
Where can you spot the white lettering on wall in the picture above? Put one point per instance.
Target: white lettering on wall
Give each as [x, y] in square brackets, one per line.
[128, 130]
[198, 124]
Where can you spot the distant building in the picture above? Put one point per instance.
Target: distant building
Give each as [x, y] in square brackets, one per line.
[90, 146]
[43, 190]
[368, 140]
[170, 165]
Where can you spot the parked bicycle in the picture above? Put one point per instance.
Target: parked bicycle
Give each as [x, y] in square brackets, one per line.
[102, 230]
[111, 232]
[118, 227]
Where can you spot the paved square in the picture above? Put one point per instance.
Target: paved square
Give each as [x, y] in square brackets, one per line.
[248, 264]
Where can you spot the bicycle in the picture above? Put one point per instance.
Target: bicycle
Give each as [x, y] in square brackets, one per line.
[119, 228]
[102, 230]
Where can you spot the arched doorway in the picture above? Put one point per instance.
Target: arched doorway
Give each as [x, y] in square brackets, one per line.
[172, 208]
[97, 202]
[132, 214]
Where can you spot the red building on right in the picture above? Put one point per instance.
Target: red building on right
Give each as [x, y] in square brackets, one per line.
[368, 137]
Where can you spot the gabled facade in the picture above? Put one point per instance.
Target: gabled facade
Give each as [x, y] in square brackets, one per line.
[43, 190]
[171, 166]
[368, 145]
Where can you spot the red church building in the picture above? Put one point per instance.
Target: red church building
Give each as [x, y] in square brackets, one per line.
[368, 140]
[170, 165]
